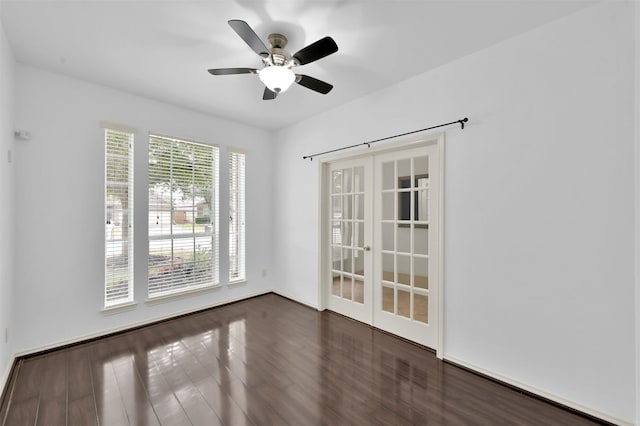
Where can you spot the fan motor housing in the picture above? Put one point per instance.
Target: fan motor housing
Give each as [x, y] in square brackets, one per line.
[280, 57]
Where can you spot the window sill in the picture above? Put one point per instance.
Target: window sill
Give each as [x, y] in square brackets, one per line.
[237, 282]
[180, 294]
[120, 307]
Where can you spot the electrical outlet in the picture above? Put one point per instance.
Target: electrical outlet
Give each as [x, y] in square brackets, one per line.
[264, 273]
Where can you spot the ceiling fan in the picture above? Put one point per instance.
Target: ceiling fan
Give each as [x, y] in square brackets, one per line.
[277, 74]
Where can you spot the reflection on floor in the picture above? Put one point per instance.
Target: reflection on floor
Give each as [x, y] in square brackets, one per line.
[262, 361]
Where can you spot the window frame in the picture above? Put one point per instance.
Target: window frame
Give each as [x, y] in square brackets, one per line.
[127, 218]
[237, 214]
[171, 284]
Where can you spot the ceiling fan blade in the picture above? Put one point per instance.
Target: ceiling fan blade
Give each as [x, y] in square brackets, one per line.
[313, 84]
[318, 50]
[229, 71]
[268, 94]
[249, 36]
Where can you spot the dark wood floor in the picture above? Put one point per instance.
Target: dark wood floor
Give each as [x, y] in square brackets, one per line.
[266, 361]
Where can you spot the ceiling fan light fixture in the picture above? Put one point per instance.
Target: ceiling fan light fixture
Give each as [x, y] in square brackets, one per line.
[276, 73]
[277, 78]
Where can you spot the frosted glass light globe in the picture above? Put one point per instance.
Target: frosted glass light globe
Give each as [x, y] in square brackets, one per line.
[277, 78]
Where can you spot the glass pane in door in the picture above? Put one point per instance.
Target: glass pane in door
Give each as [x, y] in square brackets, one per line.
[359, 234]
[347, 227]
[336, 287]
[421, 308]
[421, 272]
[345, 235]
[404, 231]
[404, 303]
[347, 288]
[388, 175]
[336, 182]
[420, 239]
[358, 289]
[358, 179]
[346, 179]
[404, 269]
[421, 166]
[388, 299]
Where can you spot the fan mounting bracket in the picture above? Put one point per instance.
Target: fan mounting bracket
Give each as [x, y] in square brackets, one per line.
[277, 41]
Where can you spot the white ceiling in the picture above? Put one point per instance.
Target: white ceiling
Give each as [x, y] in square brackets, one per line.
[162, 49]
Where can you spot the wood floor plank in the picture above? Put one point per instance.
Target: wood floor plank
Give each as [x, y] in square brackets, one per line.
[221, 402]
[52, 412]
[196, 407]
[134, 394]
[253, 405]
[52, 409]
[294, 411]
[263, 361]
[23, 412]
[79, 381]
[165, 404]
[26, 388]
[82, 412]
[179, 368]
[109, 402]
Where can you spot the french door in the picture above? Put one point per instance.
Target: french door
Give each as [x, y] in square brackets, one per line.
[406, 249]
[350, 225]
[384, 247]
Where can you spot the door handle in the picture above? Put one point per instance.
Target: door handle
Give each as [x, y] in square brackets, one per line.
[367, 248]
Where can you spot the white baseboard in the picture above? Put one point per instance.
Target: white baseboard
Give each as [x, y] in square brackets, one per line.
[295, 299]
[134, 325]
[541, 393]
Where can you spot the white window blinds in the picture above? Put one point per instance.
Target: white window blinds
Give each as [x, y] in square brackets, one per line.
[118, 190]
[183, 215]
[236, 217]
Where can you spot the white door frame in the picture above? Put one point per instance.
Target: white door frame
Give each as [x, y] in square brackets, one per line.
[437, 139]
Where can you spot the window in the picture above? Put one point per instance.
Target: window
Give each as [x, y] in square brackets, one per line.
[236, 217]
[118, 209]
[183, 215]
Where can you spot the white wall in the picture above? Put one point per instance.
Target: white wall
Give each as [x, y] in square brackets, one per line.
[637, 211]
[60, 205]
[7, 215]
[539, 202]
